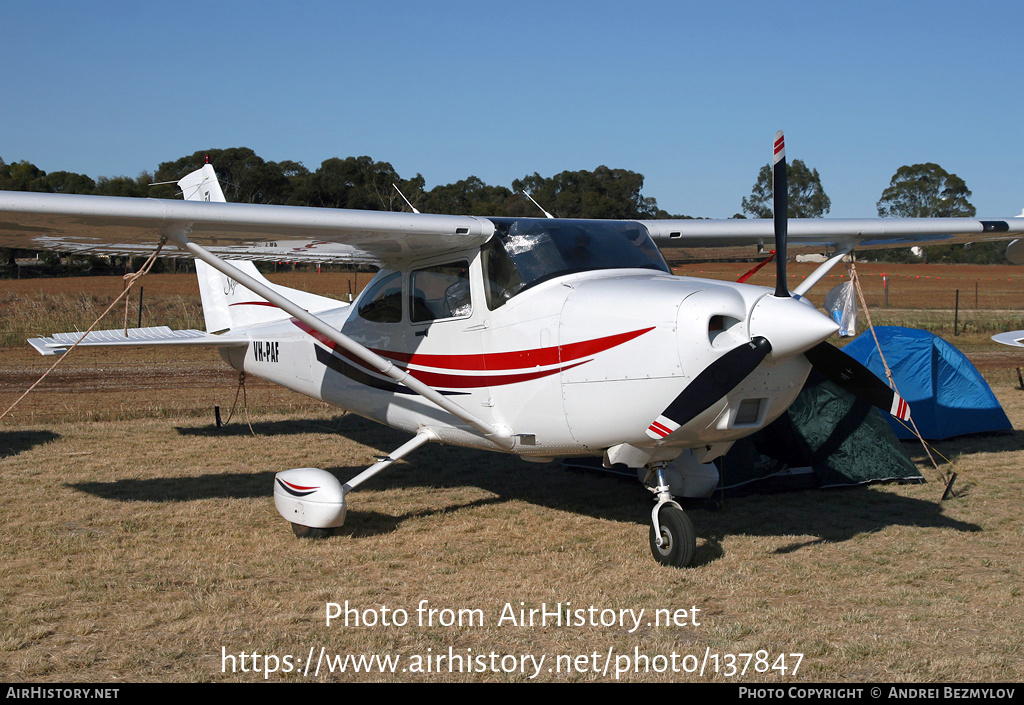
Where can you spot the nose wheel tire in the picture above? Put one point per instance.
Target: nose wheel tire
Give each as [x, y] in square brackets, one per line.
[309, 532]
[679, 540]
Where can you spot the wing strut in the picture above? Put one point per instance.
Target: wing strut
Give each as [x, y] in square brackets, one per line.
[404, 450]
[823, 269]
[500, 436]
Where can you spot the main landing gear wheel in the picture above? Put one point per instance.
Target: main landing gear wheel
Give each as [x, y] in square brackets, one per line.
[679, 540]
[309, 532]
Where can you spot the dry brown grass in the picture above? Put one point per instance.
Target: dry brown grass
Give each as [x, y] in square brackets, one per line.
[136, 550]
[136, 546]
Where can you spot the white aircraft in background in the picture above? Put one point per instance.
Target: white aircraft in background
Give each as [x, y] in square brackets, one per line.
[540, 337]
[1013, 337]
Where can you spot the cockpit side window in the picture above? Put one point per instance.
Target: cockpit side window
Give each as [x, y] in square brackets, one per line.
[382, 302]
[441, 291]
[501, 278]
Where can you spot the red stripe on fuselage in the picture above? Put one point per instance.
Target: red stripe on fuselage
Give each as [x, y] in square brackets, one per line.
[315, 334]
[516, 359]
[435, 379]
[471, 381]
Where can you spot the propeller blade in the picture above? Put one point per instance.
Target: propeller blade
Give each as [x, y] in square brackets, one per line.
[713, 383]
[857, 379]
[780, 212]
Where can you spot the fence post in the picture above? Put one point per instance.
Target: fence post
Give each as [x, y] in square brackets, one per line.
[956, 314]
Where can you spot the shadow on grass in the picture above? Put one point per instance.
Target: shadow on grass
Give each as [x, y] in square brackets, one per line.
[14, 442]
[286, 427]
[256, 486]
[360, 524]
[834, 515]
[183, 489]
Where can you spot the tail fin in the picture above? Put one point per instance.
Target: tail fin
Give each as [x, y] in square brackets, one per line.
[228, 305]
[202, 185]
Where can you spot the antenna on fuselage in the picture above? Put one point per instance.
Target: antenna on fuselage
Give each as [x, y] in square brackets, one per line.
[405, 199]
[546, 214]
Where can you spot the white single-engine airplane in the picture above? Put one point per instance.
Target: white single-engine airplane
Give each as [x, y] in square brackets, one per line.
[534, 336]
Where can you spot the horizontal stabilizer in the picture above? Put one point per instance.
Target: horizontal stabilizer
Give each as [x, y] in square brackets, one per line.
[59, 343]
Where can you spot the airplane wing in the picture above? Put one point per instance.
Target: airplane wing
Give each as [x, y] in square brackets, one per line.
[864, 232]
[132, 226]
[108, 225]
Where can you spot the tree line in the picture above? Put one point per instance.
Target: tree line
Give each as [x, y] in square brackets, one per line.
[915, 191]
[362, 183]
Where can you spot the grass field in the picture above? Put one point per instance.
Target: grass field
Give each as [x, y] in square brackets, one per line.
[140, 542]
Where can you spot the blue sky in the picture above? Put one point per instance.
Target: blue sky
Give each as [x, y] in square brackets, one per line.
[688, 94]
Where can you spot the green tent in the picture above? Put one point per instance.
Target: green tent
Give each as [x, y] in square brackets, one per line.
[827, 438]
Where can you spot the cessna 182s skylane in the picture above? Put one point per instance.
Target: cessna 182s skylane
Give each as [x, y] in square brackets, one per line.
[538, 337]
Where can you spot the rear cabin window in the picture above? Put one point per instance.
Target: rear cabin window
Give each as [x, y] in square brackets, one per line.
[382, 302]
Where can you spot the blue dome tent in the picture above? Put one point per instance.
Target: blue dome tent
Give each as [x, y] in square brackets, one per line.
[948, 396]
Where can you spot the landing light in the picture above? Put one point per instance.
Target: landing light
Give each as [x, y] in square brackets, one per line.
[748, 413]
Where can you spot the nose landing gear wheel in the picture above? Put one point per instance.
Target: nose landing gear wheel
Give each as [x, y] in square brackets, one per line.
[679, 540]
[309, 532]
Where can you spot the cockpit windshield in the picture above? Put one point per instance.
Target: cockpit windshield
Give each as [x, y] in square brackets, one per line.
[527, 251]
